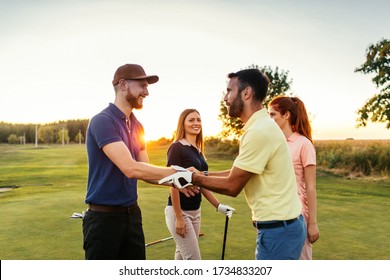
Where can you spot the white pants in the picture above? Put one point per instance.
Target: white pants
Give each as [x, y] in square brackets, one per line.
[187, 248]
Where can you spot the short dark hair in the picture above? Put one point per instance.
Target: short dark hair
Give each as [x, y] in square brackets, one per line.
[253, 78]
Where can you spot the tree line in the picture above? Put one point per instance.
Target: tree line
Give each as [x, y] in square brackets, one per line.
[51, 133]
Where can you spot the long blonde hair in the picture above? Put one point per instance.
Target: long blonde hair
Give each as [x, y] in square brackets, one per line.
[180, 133]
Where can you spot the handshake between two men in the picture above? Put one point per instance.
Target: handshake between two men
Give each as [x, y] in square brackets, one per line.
[183, 179]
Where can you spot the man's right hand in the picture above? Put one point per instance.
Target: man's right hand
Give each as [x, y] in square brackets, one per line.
[180, 179]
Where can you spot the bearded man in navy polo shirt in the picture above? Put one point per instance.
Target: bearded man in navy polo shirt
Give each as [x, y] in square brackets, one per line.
[112, 226]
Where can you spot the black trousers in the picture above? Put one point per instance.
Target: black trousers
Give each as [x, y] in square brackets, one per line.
[114, 236]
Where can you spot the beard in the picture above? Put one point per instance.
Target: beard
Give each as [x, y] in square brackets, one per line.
[236, 107]
[134, 102]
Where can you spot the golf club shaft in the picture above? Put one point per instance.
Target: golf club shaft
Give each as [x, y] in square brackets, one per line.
[165, 239]
[224, 237]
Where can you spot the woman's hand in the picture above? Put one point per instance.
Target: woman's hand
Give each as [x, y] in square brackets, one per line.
[313, 233]
[180, 225]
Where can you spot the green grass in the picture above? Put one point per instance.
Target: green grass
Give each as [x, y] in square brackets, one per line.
[35, 223]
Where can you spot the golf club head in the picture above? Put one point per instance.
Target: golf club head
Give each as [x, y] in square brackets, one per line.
[77, 215]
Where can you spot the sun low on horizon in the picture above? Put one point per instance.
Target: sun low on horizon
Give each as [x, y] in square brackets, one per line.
[58, 58]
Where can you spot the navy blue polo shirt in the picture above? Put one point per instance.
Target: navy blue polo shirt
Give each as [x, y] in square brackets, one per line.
[187, 156]
[107, 185]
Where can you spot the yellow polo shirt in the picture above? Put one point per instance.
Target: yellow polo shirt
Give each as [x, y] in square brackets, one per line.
[272, 192]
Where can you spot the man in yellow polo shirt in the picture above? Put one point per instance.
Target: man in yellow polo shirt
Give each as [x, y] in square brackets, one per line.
[263, 169]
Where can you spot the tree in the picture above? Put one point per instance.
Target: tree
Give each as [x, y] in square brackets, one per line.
[46, 134]
[75, 126]
[12, 139]
[279, 85]
[62, 136]
[377, 108]
[79, 137]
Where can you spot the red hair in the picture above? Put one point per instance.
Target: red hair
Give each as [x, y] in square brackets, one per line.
[299, 120]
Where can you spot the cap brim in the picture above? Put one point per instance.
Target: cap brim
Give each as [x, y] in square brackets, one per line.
[151, 79]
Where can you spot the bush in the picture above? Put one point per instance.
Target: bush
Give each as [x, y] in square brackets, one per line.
[12, 139]
[348, 157]
[368, 158]
[224, 149]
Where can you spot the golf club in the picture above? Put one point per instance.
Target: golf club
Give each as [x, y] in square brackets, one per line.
[158, 241]
[224, 237]
[165, 239]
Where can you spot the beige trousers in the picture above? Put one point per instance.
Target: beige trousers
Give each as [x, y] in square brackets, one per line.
[187, 248]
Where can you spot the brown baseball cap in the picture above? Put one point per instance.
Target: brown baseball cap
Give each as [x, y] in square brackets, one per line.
[132, 72]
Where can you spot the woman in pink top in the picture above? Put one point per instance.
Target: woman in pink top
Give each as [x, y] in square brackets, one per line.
[290, 114]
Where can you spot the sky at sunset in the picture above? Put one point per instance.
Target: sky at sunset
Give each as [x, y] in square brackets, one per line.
[58, 58]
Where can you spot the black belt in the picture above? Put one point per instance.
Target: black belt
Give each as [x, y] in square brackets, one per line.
[113, 209]
[260, 225]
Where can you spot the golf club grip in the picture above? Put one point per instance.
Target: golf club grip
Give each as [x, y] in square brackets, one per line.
[158, 241]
